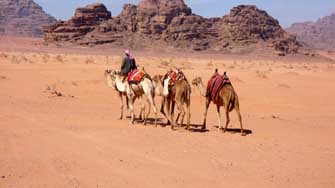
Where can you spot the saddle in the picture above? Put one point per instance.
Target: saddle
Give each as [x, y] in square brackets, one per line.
[214, 86]
[136, 76]
[174, 75]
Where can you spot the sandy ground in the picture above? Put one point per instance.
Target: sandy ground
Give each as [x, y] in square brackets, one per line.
[77, 141]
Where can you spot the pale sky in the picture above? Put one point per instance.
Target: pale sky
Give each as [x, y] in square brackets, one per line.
[286, 11]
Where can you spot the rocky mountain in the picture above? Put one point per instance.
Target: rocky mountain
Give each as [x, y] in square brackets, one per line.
[316, 35]
[23, 18]
[171, 24]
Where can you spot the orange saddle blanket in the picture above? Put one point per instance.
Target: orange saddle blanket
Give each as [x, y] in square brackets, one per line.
[135, 76]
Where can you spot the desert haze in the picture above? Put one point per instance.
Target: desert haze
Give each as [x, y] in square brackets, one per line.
[59, 123]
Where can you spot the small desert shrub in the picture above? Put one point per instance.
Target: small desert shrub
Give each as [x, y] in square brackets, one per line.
[210, 64]
[20, 59]
[89, 60]
[164, 63]
[3, 55]
[60, 58]
[261, 74]
[45, 58]
[231, 67]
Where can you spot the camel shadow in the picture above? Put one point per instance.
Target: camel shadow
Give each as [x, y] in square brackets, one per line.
[237, 131]
[149, 120]
[196, 128]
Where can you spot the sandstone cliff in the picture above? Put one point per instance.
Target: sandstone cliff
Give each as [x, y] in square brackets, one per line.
[171, 24]
[23, 18]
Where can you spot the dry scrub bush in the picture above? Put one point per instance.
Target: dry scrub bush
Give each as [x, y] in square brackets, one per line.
[60, 58]
[3, 55]
[89, 60]
[17, 59]
[210, 64]
[45, 58]
[261, 74]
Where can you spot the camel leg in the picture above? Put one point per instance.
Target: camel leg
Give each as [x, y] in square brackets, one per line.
[208, 102]
[147, 115]
[188, 113]
[181, 112]
[173, 104]
[182, 117]
[153, 106]
[142, 111]
[127, 102]
[237, 109]
[219, 117]
[121, 99]
[169, 115]
[227, 119]
[131, 107]
[162, 110]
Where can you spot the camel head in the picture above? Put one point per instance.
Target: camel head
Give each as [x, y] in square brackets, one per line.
[196, 81]
[110, 78]
[107, 72]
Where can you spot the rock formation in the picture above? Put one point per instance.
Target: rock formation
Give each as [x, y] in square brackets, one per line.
[85, 20]
[23, 18]
[171, 23]
[316, 35]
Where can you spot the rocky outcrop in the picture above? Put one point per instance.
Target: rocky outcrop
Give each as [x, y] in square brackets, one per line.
[171, 23]
[23, 18]
[316, 35]
[85, 20]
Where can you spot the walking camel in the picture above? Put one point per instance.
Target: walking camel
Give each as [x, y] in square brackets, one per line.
[179, 93]
[111, 83]
[225, 96]
[134, 91]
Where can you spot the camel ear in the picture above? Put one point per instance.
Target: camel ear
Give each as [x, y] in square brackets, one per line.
[225, 73]
[216, 70]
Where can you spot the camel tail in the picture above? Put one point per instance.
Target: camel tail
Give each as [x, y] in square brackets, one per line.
[233, 102]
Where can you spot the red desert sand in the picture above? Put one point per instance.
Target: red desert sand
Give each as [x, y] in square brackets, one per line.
[59, 123]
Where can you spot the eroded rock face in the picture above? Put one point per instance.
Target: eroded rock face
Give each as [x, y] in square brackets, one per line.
[23, 18]
[171, 23]
[247, 25]
[316, 35]
[85, 20]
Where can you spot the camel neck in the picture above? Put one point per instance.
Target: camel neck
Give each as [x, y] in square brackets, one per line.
[120, 86]
[201, 89]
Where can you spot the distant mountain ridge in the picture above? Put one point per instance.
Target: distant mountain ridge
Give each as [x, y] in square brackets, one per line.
[23, 18]
[316, 35]
[171, 24]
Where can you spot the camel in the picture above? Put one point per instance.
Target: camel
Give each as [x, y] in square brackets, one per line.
[229, 100]
[111, 83]
[134, 91]
[180, 94]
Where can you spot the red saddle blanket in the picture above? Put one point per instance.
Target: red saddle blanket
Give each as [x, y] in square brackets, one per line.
[135, 76]
[175, 75]
[214, 87]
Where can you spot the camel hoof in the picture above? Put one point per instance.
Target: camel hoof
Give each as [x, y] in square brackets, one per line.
[221, 130]
[244, 134]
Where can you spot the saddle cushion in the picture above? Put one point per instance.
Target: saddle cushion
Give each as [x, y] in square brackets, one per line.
[175, 75]
[135, 76]
[214, 86]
